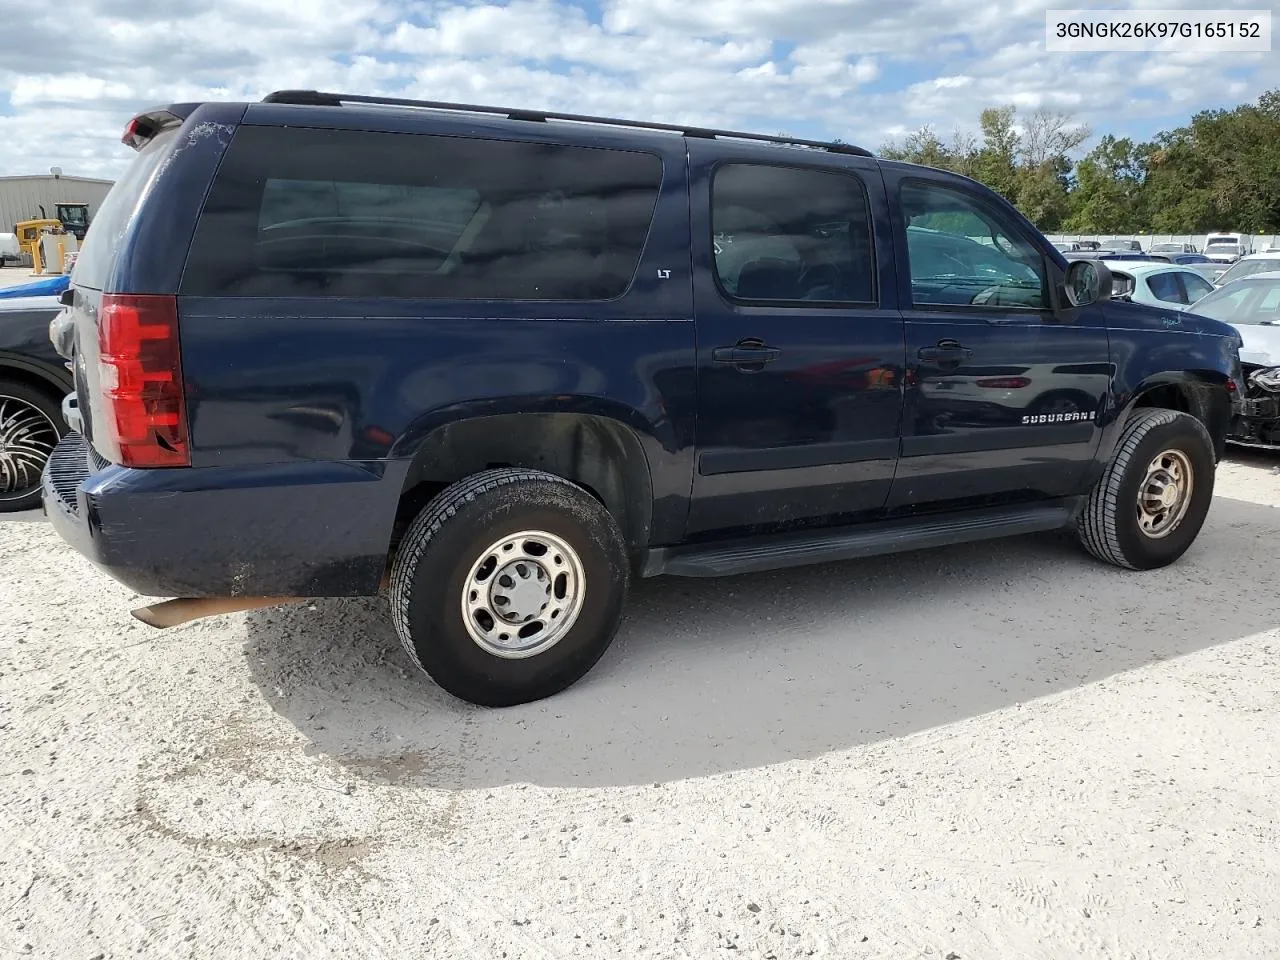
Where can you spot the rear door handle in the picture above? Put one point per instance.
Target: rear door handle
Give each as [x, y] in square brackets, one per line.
[746, 353]
[947, 351]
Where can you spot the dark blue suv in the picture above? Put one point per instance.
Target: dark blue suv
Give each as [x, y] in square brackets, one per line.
[498, 363]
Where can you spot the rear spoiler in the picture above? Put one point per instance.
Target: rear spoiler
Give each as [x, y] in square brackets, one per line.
[150, 122]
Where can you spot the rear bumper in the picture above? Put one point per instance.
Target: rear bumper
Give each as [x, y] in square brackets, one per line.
[308, 529]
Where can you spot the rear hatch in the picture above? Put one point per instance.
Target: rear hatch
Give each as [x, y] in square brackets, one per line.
[75, 332]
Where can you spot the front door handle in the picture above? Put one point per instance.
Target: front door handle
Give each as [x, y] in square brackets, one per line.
[748, 355]
[947, 351]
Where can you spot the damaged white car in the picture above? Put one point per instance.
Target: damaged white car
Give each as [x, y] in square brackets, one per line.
[1252, 305]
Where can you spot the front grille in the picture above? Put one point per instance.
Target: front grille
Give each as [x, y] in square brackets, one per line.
[68, 467]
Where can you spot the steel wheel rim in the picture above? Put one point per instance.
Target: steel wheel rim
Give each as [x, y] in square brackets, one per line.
[1165, 493]
[523, 594]
[27, 438]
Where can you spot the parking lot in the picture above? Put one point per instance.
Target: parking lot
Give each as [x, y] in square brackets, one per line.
[997, 750]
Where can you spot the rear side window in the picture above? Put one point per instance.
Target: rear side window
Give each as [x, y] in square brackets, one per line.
[1196, 286]
[1164, 286]
[300, 212]
[785, 234]
[93, 264]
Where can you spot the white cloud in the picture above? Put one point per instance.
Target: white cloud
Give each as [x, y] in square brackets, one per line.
[861, 70]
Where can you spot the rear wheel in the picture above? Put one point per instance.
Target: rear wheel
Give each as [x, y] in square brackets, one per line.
[1150, 503]
[30, 427]
[509, 586]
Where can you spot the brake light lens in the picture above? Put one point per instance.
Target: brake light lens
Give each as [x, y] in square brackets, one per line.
[138, 132]
[1003, 383]
[140, 372]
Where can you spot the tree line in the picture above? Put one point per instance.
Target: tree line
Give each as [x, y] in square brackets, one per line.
[1219, 172]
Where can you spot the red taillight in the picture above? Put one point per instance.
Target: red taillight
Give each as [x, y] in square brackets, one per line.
[140, 370]
[1003, 383]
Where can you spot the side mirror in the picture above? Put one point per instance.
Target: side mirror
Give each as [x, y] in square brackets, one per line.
[67, 297]
[1088, 281]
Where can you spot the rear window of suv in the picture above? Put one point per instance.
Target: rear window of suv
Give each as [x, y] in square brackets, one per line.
[93, 263]
[304, 212]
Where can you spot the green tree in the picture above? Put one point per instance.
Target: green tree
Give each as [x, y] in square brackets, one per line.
[1044, 171]
[996, 163]
[1109, 194]
[1219, 172]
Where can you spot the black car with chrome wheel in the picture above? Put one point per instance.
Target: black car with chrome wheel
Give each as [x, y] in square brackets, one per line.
[33, 382]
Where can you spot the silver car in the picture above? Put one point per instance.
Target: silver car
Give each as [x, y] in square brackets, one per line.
[1252, 306]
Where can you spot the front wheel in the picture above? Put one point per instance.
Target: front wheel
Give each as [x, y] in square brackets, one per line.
[509, 586]
[1151, 501]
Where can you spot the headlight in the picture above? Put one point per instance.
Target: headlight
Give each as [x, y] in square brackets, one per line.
[1268, 379]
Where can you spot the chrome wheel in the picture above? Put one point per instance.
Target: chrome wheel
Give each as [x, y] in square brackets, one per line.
[27, 437]
[1165, 493]
[523, 594]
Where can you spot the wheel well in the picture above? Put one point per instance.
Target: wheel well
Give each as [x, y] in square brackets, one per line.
[46, 385]
[1166, 396]
[601, 455]
[1207, 402]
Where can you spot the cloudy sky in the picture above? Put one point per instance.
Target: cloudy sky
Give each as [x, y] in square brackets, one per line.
[73, 72]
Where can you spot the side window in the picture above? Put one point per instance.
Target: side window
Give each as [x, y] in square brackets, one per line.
[1196, 286]
[305, 212]
[1164, 286]
[1121, 284]
[785, 234]
[1270, 304]
[962, 252]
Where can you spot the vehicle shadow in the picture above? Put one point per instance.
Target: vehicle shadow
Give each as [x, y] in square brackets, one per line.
[708, 676]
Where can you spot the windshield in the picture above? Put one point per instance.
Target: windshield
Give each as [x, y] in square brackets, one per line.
[1247, 268]
[1223, 242]
[73, 216]
[1166, 248]
[1247, 303]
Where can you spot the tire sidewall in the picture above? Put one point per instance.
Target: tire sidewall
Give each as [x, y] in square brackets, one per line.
[1184, 434]
[444, 647]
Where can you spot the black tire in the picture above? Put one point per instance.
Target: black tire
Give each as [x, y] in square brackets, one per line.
[453, 532]
[1109, 526]
[21, 404]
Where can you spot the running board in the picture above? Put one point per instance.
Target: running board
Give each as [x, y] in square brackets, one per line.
[775, 551]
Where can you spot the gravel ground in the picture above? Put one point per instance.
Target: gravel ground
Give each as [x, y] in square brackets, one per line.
[993, 751]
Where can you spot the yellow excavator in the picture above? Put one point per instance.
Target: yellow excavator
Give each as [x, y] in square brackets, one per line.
[31, 240]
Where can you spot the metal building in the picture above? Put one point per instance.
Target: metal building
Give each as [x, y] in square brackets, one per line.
[21, 197]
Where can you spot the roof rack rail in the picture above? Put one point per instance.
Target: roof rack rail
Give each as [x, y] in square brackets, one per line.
[318, 98]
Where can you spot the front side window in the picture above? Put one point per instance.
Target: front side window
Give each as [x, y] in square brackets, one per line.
[962, 252]
[784, 234]
[304, 212]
